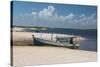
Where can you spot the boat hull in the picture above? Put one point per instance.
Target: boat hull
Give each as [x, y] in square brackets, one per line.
[41, 42]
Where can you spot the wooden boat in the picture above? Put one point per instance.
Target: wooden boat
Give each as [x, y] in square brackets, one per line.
[60, 41]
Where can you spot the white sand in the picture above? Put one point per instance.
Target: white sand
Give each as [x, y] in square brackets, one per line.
[20, 36]
[34, 55]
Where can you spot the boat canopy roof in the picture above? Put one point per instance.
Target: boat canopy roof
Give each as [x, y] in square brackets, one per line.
[59, 37]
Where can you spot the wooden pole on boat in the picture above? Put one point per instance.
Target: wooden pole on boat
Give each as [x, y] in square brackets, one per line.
[74, 42]
[51, 36]
[33, 38]
[41, 35]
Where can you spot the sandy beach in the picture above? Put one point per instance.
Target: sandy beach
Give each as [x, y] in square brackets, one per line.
[22, 38]
[26, 54]
[35, 55]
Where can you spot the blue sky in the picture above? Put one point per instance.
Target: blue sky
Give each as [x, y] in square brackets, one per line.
[54, 15]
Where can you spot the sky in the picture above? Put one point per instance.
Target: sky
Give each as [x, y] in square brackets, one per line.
[54, 15]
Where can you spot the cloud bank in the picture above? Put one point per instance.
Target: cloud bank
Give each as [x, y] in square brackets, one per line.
[49, 17]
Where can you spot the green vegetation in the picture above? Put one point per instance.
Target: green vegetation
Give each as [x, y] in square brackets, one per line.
[34, 27]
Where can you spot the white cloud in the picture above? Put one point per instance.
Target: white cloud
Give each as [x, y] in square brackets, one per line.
[49, 17]
[50, 14]
[85, 20]
[46, 12]
[34, 13]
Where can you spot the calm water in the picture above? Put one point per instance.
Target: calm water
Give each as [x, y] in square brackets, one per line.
[89, 44]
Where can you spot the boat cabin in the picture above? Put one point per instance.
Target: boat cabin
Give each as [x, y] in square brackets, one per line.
[70, 40]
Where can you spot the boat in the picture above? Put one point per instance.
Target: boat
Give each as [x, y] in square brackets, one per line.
[71, 42]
